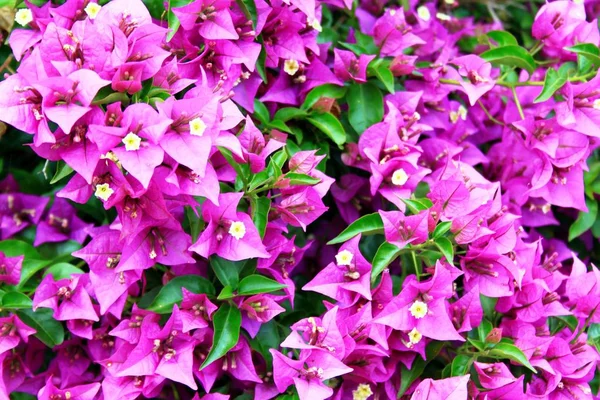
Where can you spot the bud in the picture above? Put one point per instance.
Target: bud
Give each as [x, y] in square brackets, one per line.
[494, 336]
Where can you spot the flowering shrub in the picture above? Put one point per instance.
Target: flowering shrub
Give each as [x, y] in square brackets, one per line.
[299, 199]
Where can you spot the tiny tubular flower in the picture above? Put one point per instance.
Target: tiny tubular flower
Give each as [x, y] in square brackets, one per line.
[24, 16]
[596, 104]
[423, 13]
[103, 191]
[344, 257]
[237, 230]
[92, 10]
[316, 25]
[443, 17]
[399, 177]
[197, 127]
[362, 392]
[415, 336]
[132, 142]
[418, 309]
[291, 67]
[460, 113]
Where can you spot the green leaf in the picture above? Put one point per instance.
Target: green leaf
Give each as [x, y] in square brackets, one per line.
[484, 329]
[267, 338]
[258, 180]
[512, 56]
[329, 125]
[417, 205]
[503, 38]
[227, 321]
[248, 7]
[239, 169]
[227, 272]
[585, 220]
[16, 301]
[479, 345]
[365, 104]
[62, 171]
[49, 330]
[172, 20]
[446, 247]
[280, 125]
[328, 91]
[301, 179]
[382, 72]
[287, 113]
[255, 284]
[171, 292]
[367, 225]
[386, 254]
[569, 320]
[554, 80]
[408, 376]
[512, 352]
[260, 213]
[195, 223]
[62, 270]
[461, 365]
[587, 50]
[226, 293]
[441, 229]
[13, 248]
[261, 112]
[489, 306]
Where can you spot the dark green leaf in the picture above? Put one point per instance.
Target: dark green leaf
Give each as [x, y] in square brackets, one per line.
[461, 365]
[484, 329]
[227, 321]
[258, 180]
[287, 113]
[226, 293]
[446, 247]
[554, 80]
[255, 284]
[386, 254]
[171, 292]
[15, 301]
[366, 225]
[172, 20]
[383, 73]
[585, 220]
[503, 38]
[489, 305]
[512, 352]
[261, 112]
[280, 125]
[479, 345]
[328, 91]
[195, 223]
[227, 272]
[267, 338]
[512, 56]
[49, 330]
[365, 104]
[248, 7]
[329, 125]
[260, 213]
[569, 320]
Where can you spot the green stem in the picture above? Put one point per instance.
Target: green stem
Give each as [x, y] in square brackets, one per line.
[517, 102]
[487, 113]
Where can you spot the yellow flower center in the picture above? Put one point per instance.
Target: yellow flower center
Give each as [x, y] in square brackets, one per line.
[237, 230]
[132, 142]
[291, 67]
[460, 113]
[24, 16]
[423, 13]
[197, 127]
[92, 10]
[362, 392]
[418, 309]
[399, 177]
[344, 257]
[103, 191]
[414, 336]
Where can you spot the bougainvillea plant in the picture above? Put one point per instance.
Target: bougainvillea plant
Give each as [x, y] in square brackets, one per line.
[299, 199]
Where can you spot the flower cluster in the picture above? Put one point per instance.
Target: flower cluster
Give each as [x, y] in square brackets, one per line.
[300, 199]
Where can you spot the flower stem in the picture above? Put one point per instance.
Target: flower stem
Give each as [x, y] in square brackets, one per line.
[487, 113]
[517, 102]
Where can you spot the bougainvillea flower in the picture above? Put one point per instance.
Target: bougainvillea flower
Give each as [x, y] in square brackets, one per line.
[10, 269]
[68, 298]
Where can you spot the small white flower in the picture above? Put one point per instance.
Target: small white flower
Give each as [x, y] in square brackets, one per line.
[415, 336]
[460, 113]
[24, 16]
[92, 10]
[423, 13]
[418, 309]
[132, 142]
[197, 127]
[362, 392]
[291, 67]
[344, 257]
[316, 25]
[596, 104]
[103, 191]
[237, 229]
[399, 177]
[443, 17]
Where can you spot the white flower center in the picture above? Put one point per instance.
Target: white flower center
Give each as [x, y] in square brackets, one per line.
[442, 17]
[344, 257]
[237, 230]
[596, 104]
[414, 336]
[460, 113]
[399, 177]
[316, 25]
[418, 309]
[423, 13]
[103, 191]
[24, 16]
[132, 142]
[92, 10]
[291, 67]
[197, 127]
